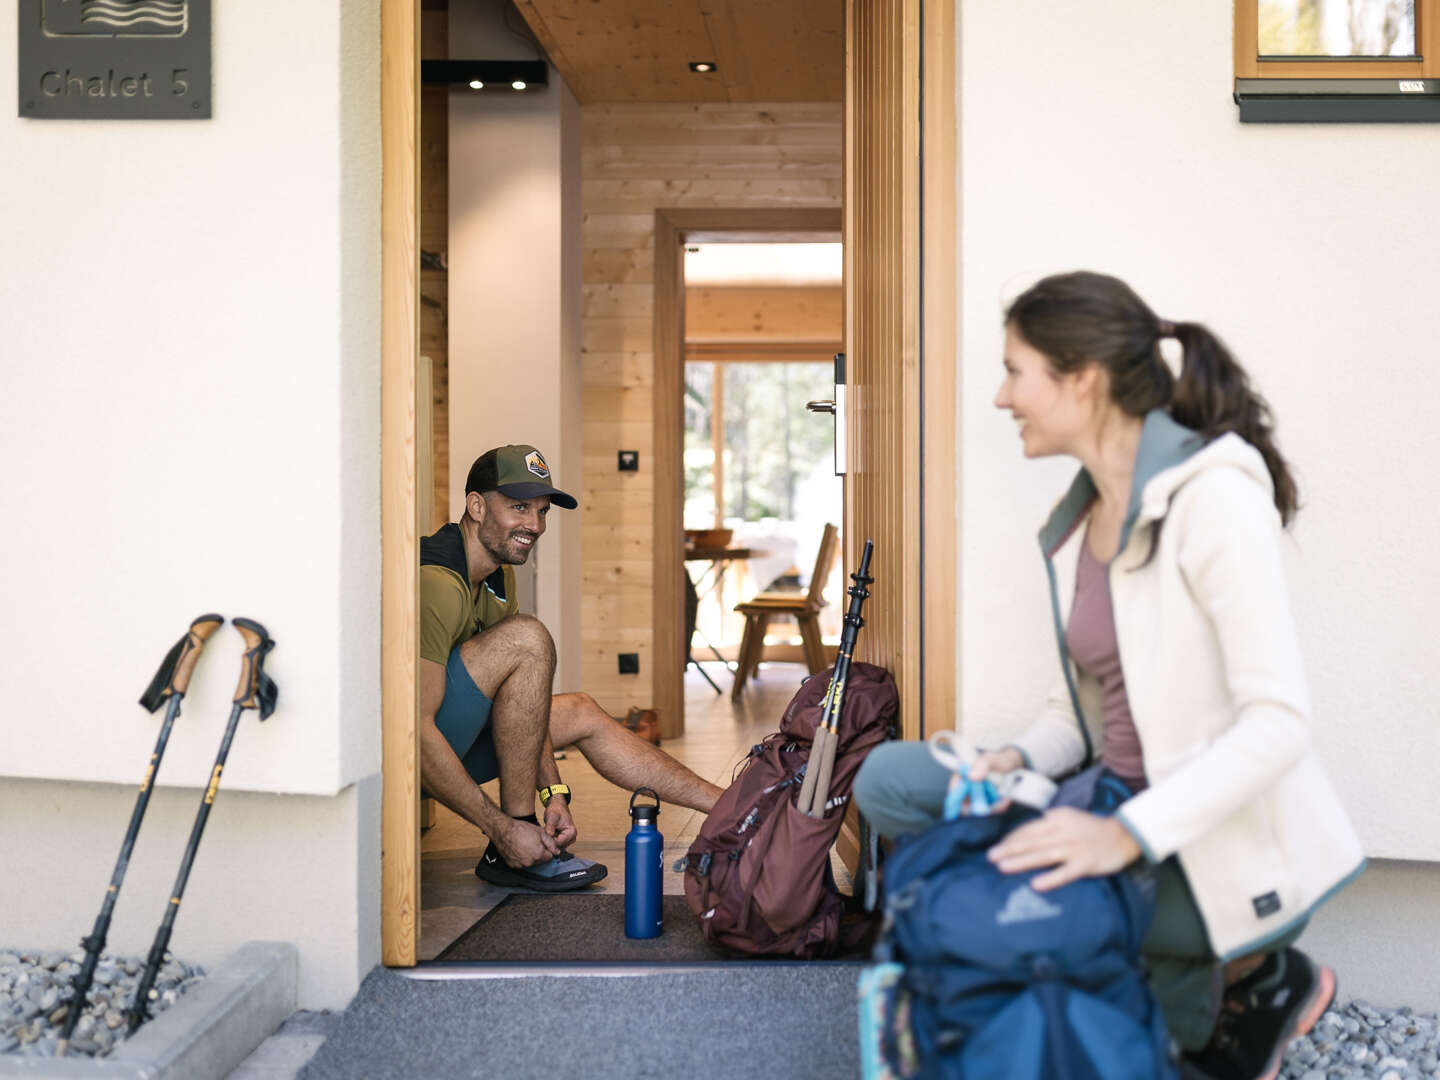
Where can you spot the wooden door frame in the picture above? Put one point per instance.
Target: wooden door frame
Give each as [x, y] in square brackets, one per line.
[399, 357]
[939, 222]
[399, 525]
[674, 226]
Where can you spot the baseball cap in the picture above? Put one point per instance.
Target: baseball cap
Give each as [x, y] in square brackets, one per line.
[516, 470]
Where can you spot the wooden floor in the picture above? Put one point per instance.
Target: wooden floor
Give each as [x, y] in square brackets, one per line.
[718, 735]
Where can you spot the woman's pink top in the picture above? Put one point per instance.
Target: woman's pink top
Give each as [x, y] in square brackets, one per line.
[1090, 637]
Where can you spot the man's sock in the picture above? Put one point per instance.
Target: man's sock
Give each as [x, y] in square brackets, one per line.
[492, 853]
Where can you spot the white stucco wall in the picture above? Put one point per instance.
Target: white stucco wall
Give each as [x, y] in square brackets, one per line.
[515, 296]
[190, 417]
[1104, 136]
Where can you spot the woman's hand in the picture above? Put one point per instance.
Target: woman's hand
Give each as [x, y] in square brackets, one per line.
[995, 761]
[1076, 843]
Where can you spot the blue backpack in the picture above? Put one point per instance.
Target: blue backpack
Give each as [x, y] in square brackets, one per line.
[980, 976]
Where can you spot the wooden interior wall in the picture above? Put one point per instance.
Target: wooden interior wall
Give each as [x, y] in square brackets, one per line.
[434, 246]
[882, 262]
[779, 314]
[637, 159]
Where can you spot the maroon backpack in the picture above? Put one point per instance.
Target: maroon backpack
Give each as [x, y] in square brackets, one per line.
[758, 875]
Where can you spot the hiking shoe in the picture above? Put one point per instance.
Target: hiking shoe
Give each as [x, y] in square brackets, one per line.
[645, 723]
[563, 873]
[1261, 1014]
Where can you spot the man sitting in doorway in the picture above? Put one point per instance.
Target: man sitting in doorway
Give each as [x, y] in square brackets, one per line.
[486, 708]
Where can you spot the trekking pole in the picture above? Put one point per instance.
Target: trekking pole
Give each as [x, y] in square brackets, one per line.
[170, 681]
[822, 750]
[256, 691]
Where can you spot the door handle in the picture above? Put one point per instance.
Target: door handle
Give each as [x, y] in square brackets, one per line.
[825, 406]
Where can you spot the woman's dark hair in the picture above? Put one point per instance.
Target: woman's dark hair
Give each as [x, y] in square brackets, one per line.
[1081, 317]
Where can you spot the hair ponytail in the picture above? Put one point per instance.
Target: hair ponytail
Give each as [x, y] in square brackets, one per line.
[1083, 317]
[1213, 396]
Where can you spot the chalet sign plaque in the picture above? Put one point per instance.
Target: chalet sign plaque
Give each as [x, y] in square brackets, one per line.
[115, 59]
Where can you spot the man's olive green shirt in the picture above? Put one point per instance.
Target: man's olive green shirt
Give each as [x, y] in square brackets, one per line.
[449, 611]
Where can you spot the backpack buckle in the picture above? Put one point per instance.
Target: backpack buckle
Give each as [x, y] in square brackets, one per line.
[704, 868]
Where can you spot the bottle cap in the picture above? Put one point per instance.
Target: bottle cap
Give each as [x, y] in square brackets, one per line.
[642, 812]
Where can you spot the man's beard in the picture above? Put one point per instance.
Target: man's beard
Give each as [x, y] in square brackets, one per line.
[507, 552]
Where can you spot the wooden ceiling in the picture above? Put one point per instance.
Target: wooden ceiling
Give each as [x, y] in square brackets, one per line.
[613, 51]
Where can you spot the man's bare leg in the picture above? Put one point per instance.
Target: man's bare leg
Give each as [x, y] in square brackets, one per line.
[622, 757]
[513, 664]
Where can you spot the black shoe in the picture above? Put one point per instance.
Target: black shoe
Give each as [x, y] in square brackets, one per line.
[563, 873]
[1260, 1016]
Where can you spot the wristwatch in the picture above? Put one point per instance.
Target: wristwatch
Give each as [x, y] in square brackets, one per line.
[548, 793]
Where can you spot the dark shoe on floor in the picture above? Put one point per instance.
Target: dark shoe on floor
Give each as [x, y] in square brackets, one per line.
[1261, 1014]
[645, 723]
[562, 874]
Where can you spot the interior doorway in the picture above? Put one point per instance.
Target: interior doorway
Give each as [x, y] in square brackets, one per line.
[726, 329]
[763, 328]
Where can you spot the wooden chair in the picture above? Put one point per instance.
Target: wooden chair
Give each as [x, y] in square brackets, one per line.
[803, 607]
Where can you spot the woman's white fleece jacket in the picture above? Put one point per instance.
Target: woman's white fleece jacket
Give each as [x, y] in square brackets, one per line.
[1216, 687]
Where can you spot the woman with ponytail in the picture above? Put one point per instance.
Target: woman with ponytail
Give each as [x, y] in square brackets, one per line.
[1180, 666]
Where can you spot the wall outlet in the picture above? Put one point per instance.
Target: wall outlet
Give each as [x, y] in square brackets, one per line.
[629, 663]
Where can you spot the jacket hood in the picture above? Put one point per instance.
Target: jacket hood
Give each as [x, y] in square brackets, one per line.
[1168, 456]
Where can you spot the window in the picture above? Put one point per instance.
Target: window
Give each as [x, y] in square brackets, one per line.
[1337, 60]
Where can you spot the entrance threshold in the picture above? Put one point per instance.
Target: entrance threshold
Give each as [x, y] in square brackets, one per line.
[591, 969]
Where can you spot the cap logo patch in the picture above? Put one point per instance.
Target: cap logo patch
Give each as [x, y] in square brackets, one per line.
[536, 464]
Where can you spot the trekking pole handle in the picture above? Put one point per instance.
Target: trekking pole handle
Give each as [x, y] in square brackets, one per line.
[173, 676]
[256, 689]
[200, 631]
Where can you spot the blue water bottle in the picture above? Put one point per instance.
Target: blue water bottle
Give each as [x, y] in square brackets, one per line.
[644, 855]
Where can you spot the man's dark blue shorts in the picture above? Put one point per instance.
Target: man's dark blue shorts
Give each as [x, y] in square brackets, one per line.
[464, 720]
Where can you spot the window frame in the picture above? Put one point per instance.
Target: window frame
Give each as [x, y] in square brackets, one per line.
[1337, 89]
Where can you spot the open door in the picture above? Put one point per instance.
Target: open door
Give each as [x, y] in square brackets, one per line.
[900, 343]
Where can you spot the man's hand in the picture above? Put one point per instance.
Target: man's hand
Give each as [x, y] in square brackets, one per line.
[559, 825]
[1076, 843]
[523, 844]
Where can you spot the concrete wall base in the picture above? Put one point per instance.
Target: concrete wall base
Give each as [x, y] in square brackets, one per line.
[204, 1035]
[1380, 936]
[299, 868]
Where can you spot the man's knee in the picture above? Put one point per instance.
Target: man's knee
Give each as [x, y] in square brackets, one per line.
[579, 701]
[530, 634]
[579, 712]
[515, 638]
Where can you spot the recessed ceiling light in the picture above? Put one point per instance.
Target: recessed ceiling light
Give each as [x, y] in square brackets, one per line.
[702, 66]
[518, 84]
[476, 84]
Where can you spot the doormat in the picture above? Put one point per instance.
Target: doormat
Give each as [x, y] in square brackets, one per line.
[532, 928]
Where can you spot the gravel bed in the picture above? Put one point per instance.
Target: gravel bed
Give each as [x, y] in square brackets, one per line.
[1357, 1040]
[35, 994]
